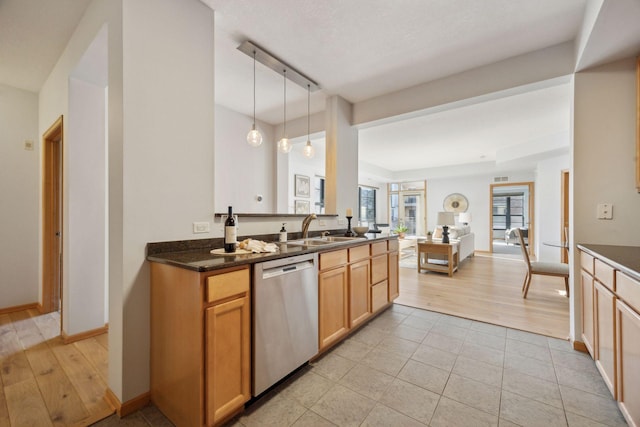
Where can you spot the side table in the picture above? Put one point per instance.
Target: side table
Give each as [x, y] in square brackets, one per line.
[446, 260]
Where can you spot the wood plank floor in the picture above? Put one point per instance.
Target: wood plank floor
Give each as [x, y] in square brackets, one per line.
[487, 289]
[44, 382]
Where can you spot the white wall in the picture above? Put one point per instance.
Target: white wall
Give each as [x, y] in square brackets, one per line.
[548, 206]
[603, 160]
[243, 171]
[19, 180]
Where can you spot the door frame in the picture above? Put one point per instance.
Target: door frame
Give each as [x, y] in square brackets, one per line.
[564, 215]
[52, 196]
[530, 209]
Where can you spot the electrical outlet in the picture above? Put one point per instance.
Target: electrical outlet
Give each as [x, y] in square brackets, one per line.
[28, 145]
[605, 211]
[201, 227]
[322, 223]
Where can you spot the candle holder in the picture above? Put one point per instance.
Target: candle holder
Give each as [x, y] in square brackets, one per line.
[349, 232]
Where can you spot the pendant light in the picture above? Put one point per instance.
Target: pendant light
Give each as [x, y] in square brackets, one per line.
[284, 145]
[308, 151]
[254, 138]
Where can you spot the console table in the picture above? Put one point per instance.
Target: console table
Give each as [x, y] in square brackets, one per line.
[440, 257]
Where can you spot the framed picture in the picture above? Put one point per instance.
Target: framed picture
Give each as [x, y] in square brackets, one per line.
[302, 207]
[303, 186]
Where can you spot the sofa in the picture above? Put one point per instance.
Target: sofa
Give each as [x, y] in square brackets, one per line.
[461, 234]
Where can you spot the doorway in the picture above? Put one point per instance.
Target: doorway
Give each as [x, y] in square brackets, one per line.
[52, 218]
[407, 205]
[512, 207]
[564, 216]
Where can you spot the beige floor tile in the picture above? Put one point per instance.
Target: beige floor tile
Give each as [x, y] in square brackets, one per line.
[352, 349]
[382, 416]
[306, 389]
[435, 357]
[402, 309]
[450, 330]
[424, 376]
[385, 361]
[527, 412]
[332, 366]
[575, 420]
[272, 410]
[558, 344]
[493, 341]
[529, 337]
[408, 333]
[488, 328]
[459, 322]
[431, 316]
[399, 346]
[506, 423]
[386, 323]
[370, 335]
[534, 388]
[343, 406]
[473, 393]
[585, 381]
[482, 353]
[597, 408]
[311, 419]
[479, 371]
[443, 342]
[530, 366]
[526, 349]
[450, 413]
[418, 323]
[366, 381]
[574, 360]
[411, 400]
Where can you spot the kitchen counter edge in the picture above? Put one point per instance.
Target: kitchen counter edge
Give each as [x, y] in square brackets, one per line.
[623, 258]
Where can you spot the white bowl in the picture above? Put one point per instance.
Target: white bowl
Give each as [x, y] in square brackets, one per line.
[361, 231]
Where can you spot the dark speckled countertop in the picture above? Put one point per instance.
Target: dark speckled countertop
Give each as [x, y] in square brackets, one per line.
[623, 258]
[195, 254]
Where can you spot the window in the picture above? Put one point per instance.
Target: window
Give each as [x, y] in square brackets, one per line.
[318, 195]
[367, 205]
[508, 211]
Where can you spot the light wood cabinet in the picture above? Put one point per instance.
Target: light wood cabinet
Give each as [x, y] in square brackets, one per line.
[359, 300]
[394, 271]
[333, 303]
[586, 283]
[628, 346]
[605, 355]
[200, 343]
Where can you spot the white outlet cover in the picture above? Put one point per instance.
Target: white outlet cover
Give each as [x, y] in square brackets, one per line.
[201, 227]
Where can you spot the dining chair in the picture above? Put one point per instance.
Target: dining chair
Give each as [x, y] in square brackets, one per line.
[543, 268]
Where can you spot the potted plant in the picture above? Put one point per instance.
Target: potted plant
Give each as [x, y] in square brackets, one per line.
[400, 230]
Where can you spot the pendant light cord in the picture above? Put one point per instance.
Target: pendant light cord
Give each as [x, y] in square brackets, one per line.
[254, 88]
[308, 111]
[284, 127]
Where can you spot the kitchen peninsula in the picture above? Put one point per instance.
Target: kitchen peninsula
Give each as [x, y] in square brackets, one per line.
[202, 338]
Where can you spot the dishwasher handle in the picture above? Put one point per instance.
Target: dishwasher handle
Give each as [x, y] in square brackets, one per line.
[287, 269]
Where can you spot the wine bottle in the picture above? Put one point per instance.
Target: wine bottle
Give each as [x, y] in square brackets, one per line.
[230, 233]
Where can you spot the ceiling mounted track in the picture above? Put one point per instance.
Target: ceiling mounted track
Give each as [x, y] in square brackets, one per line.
[270, 61]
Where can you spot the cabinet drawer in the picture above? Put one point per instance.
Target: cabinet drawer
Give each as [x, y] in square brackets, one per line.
[586, 262]
[378, 248]
[605, 274]
[333, 259]
[379, 269]
[628, 290]
[379, 295]
[393, 245]
[225, 285]
[358, 253]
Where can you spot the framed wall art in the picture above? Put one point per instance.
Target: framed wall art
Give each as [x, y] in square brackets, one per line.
[302, 207]
[302, 186]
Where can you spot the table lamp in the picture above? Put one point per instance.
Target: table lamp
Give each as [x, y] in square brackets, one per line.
[445, 219]
[465, 218]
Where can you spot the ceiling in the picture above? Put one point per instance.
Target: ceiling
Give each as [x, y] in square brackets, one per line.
[361, 49]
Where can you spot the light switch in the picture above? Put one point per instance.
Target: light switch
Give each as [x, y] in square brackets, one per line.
[201, 227]
[605, 211]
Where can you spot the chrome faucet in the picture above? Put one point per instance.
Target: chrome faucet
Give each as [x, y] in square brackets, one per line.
[305, 224]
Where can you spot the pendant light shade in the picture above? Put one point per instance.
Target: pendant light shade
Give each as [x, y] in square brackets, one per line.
[284, 145]
[254, 138]
[308, 151]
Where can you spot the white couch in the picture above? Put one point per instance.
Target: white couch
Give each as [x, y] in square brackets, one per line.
[461, 234]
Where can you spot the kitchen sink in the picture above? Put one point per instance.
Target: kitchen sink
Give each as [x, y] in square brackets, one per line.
[321, 241]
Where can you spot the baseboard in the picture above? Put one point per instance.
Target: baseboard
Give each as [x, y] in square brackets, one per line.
[128, 407]
[580, 346]
[19, 308]
[68, 339]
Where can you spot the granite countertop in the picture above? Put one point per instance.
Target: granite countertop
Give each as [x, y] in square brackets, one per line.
[195, 254]
[623, 258]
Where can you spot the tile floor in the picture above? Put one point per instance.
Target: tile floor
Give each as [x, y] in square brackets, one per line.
[411, 367]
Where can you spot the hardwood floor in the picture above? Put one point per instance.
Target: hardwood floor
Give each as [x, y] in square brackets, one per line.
[488, 289]
[44, 382]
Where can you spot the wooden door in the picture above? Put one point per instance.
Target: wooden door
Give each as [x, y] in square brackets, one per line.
[359, 298]
[52, 218]
[333, 306]
[228, 356]
[564, 229]
[605, 355]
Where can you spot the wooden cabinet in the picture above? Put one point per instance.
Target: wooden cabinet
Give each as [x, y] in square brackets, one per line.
[333, 298]
[628, 346]
[586, 283]
[604, 305]
[200, 343]
[379, 282]
[394, 271]
[359, 300]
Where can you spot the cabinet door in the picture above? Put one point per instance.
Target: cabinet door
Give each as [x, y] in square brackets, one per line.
[359, 298]
[628, 347]
[586, 282]
[394, 278]
[379, 269]
[332, 306]
[228, 358]
[604, 304]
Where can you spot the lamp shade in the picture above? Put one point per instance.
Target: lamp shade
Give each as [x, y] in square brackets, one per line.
[465, 217]
[446, 218]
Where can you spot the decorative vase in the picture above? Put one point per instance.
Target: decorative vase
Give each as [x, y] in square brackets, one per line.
[401, 235]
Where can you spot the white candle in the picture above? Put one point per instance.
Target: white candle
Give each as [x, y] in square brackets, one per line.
[349, 212]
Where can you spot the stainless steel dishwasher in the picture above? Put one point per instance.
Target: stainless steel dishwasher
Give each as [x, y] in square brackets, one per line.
[285, 317]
